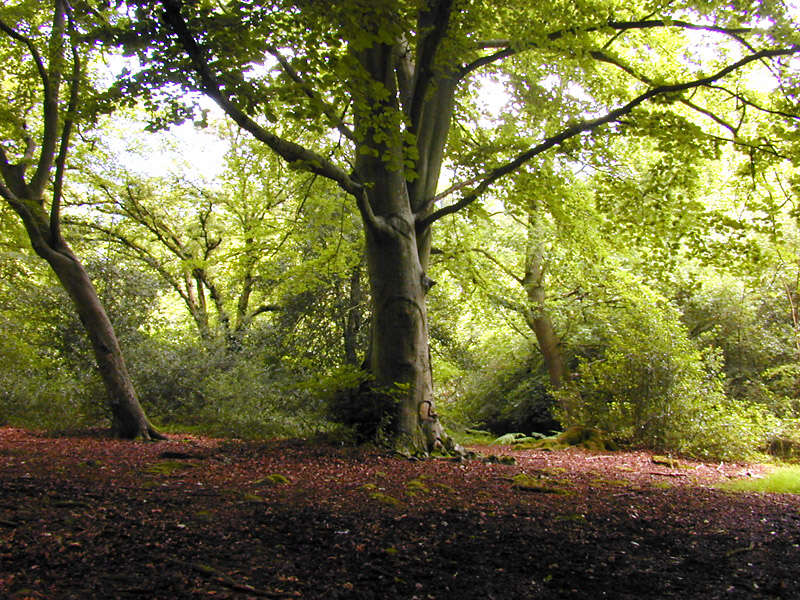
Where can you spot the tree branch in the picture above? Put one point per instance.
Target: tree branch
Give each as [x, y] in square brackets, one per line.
[499, 264]
[377, 223]
[50, 136]
[765, 148]
[69, 120]
[734, 129]
[432, 27]
[748, 102]
[142, 215]
[590, 125]
[289, 151]
[258, 311]
[7, 194]
[603, 57]
[139, 251]
[327, 109]
[619, 26]
[49, 103]
[12, 174]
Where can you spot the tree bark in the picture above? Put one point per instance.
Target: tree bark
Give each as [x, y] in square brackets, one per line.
[400, 361]
[397, 251]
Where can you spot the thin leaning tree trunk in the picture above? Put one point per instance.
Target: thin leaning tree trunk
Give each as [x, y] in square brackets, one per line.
[128, 418]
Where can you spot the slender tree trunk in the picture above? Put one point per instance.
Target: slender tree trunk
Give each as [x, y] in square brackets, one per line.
[537, 316]
[791, 296]
[196, 308]
[353, 320]
[128, 418]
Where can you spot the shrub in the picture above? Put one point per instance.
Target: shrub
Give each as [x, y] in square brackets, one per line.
[354, 401]
[652, 387]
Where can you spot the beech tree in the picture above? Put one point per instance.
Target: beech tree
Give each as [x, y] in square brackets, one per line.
[393, 82]
[208, 242]
[42, 84]
[257, 239]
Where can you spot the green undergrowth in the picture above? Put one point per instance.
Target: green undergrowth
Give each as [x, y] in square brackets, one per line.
[782, 480]
[588, 438]
[470, 437]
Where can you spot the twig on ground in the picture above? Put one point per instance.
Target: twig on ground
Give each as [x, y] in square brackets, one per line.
[229, 582]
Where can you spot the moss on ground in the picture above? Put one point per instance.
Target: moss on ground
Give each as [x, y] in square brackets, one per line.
[273, 480]
[416, 486]
[168, 467]
[386, 499]
[668, 461]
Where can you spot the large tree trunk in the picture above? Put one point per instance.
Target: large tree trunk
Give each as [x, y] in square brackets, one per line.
[400, 359]
[397, 250]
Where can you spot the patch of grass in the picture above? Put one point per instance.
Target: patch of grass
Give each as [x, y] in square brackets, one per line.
[575, 518]
[602, 482]
[252, 498]
[470, 437]
[782, 480]
[444, 487]
[553, 470]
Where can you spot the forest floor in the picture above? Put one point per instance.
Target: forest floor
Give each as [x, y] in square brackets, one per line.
[84, 516]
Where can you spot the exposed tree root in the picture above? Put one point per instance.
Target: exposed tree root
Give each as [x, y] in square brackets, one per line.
[155, 434]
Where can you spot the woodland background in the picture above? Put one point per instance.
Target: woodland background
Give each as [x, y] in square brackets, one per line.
[642, 278]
